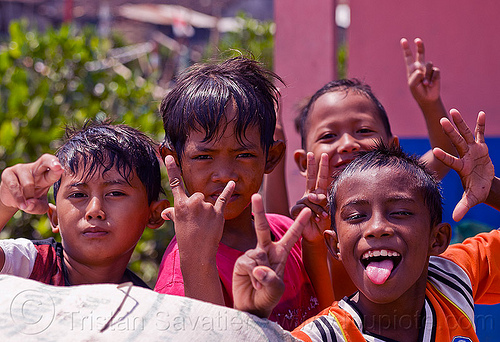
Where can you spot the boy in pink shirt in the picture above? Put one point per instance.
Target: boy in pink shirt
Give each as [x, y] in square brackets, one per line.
[219, 123]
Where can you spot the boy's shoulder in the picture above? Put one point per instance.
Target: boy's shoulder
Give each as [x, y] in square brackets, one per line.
[341, 320]
[40, 260]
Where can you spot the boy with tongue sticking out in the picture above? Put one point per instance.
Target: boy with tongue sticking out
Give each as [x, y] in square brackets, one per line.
[387, 231]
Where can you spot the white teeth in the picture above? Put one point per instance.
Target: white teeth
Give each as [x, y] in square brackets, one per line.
[379, 252]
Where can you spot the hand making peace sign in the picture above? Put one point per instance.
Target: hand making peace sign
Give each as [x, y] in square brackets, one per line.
[258, 274]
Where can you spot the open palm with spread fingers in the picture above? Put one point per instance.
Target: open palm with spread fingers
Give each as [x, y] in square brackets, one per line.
[258, 274]
[474, 165]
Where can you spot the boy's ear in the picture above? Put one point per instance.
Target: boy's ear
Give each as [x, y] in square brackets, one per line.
[332, 243]
[54, 221]
[167, 151]
[274, 156]
[394, 140]
[440, 238]
[156, 207]
[300, 157]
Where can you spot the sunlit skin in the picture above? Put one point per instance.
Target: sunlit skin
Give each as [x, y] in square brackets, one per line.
[207, 167]
[341, 125]
[100, 220]
[394, 219]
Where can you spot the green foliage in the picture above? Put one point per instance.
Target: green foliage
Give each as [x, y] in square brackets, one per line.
[255, 37]
[342, 54]
[55, 78]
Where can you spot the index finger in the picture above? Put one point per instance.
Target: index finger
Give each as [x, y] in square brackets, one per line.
[174, 178]
[294, 233]
[408, 55]
[225, 196]
[311, 172]
[260, 221]
[47, 170]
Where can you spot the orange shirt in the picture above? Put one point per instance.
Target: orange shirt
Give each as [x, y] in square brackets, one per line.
[467, 273]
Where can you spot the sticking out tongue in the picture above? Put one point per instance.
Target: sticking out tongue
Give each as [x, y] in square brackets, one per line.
[379, 271]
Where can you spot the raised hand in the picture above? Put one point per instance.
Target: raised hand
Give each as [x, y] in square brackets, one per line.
[423, 78]
[258, 274]
[474, 165]
[197, 222]
[25, 186]
[198, 229]
[315, 198]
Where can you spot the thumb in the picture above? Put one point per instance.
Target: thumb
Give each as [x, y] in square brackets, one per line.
[461, 209]
[168, 214]
[270, 282]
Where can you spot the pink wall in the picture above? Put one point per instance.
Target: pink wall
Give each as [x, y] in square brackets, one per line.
[461, 38]
[304, 57]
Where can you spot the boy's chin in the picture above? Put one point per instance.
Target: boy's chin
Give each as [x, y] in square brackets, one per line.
[234, 210]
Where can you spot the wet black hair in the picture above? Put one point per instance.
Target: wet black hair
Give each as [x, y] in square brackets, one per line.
[100, 146]
[342, 85]
[201, 94]
[393, 157]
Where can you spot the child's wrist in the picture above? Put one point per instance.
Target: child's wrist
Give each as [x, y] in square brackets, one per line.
[425, 104]
[7, 208]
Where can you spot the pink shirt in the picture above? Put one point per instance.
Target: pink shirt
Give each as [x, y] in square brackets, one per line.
[297, 303]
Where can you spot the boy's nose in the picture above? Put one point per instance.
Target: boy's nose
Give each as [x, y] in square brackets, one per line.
[95, 210]
[347, 144]
[224, 175]
[378, 227]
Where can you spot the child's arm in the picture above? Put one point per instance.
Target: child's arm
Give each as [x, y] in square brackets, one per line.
[258, 274]
[25, 186]
[198, 229]
[274, 192]
[314, 251]
[474, 165]
[424, 82]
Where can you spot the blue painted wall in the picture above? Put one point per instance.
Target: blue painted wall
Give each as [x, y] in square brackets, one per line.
[481, 217]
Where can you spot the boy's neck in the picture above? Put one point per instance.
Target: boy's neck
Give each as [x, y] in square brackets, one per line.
[110, 273]
[239, 233]
[399, 320]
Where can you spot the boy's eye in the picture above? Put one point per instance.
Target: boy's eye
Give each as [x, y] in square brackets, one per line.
[327, 136]
[402, 213]
[116, 193]
[354, 217]
[365, 131]
[202, 157]
[77, 195]
[245, 155]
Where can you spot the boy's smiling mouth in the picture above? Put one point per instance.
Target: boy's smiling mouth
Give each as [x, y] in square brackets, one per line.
[379, 264]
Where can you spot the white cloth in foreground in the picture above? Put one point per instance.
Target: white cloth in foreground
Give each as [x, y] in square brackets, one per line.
[32, 311]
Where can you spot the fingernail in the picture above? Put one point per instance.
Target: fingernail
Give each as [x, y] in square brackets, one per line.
[325, 214]
[260, 274]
